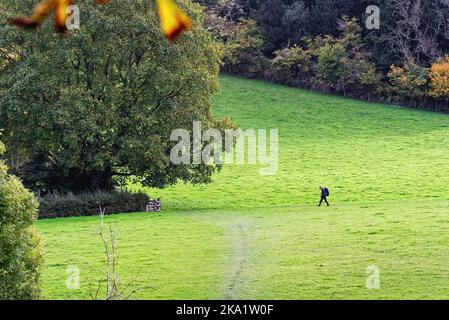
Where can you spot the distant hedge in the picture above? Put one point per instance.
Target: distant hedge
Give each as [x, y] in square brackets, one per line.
[87, 204]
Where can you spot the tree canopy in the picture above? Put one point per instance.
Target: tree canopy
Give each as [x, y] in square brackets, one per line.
[101, 102]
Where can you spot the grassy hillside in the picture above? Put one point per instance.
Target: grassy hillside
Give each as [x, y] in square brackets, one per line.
[363, 152]
[261, 236]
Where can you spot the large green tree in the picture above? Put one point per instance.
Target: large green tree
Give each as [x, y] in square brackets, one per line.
[101, 102]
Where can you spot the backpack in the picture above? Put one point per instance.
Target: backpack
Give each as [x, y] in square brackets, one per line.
[326, 192]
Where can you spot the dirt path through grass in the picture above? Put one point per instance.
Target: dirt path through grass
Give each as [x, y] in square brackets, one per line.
[239, 234]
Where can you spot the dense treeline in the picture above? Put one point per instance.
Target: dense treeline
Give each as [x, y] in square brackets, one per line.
[325, 45]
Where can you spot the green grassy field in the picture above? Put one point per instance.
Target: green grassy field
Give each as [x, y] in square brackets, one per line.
[252, 236]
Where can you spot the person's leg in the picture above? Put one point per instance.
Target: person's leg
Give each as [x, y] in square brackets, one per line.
[321, 200]
[325, 199]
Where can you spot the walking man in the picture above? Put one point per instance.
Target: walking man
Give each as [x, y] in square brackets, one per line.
[324, 195]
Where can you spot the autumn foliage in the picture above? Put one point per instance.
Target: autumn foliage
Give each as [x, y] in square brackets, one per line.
[173, 20]
[439, 77]
[409, 81]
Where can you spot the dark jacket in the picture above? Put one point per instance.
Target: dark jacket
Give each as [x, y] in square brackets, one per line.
[323, 192]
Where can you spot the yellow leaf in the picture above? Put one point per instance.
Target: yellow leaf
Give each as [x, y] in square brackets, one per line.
[173, 20]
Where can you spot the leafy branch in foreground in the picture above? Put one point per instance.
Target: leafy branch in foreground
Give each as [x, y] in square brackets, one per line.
[173, 19]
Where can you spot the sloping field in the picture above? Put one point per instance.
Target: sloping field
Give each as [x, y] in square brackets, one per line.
[364, 152]
[252, 236]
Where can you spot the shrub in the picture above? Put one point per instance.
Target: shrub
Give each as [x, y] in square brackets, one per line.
[20, 254]
[410, 81]
[87, 204]
[359, 77]
[330, 65]
[242, 49]
[439, 77]
[292, 65]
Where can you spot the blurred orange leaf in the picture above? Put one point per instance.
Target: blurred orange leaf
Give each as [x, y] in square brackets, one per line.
[173, 20]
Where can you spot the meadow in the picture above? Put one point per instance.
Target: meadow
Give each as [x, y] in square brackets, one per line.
[262, 237]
